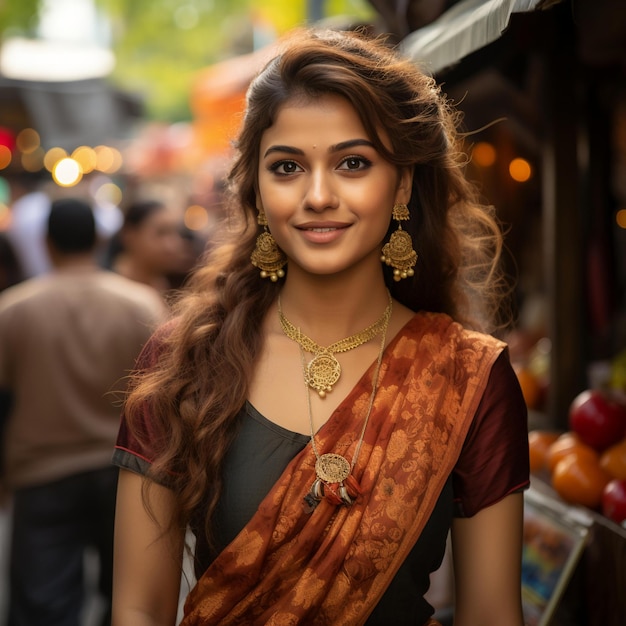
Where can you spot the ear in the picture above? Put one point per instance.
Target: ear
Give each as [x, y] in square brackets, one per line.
[405, 186]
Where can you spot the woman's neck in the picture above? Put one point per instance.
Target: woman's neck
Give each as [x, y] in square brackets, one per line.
[328, 310]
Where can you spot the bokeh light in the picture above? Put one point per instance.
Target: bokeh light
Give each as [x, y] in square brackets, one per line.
[5, 216]
[28, 140]
[7, 138]
[108, 193]
[5, 191]
[196, 217]
[33, 161]
[520, 170]
[53, 156]
[86, 157]
[5, 157]
[620, 218]
[108, 160]
[484, 154]
[67, 172]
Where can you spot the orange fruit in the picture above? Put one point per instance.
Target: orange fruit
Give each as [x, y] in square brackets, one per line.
[566, 444]
[539, 441]
[531, 388]
[579, 480]
[613, 460]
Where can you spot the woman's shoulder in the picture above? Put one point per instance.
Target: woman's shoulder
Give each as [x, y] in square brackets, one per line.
[443, 328]
[158, 343]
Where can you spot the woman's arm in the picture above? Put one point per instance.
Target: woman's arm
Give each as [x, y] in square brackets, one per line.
[487, 554]
[147, 563]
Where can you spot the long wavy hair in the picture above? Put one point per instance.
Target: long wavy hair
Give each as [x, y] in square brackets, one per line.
[199, 381]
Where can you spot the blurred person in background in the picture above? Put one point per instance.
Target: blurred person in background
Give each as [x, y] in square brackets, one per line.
[67, 342]
[10, 269]
[30, 201]
[150, 248]
[30, 206]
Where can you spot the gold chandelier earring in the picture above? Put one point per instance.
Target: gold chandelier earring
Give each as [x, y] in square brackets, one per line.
[267, 256]
[398, 251]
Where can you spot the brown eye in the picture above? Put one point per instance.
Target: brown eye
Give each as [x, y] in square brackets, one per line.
[355, 163]
[284, 168]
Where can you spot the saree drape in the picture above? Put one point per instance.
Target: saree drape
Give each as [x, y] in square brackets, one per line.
[289, 566]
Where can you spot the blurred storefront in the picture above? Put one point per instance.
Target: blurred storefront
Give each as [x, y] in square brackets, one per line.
[68, 114]
[542, 88]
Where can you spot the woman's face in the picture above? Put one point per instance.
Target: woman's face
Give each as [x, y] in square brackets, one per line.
[156, 242]
[326, 191]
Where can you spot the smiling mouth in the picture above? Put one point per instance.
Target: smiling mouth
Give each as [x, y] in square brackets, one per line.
[322, 233]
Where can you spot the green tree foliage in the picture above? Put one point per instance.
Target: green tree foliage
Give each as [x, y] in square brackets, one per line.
[161, 44]
[18, 17]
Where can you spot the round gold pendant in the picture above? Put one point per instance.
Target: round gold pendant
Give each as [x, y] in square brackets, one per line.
[322, 373]
[332, 468]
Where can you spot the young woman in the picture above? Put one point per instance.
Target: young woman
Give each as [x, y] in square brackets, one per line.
[325, 404]
[149, 247]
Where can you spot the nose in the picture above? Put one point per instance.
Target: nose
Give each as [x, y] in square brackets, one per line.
[320, 193]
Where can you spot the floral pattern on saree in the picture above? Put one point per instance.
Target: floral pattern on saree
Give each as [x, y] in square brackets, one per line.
[289, 566]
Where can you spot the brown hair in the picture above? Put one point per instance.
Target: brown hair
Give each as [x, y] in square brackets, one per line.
[207, 357]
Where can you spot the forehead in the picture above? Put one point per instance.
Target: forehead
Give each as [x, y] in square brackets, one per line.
[324, 117]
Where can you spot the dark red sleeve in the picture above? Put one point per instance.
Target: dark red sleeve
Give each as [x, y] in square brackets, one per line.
[494, 459]
[134, 446]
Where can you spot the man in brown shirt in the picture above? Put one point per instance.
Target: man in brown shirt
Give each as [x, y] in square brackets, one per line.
[67, 341]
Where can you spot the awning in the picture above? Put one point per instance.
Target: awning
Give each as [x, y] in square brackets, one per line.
[69, 114]
[463, 29]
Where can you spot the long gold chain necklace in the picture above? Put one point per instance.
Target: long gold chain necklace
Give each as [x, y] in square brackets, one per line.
[323, 370]
[333, 470]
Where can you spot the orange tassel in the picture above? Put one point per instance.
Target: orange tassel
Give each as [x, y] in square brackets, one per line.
[353, 487]
[331, 495]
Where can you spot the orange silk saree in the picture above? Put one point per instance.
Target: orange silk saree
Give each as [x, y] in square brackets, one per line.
[331, 566]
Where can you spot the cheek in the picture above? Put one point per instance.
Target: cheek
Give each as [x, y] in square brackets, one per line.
[278, 205]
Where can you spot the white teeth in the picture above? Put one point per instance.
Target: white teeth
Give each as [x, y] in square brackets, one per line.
[322, 230]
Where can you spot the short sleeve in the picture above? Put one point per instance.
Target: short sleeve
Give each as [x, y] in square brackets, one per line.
[494, 460]
[134, 448]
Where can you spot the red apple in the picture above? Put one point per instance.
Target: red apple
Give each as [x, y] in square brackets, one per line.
[597, 419]
[614, 500]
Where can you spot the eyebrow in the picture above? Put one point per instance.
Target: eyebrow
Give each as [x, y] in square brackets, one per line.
[344, 145]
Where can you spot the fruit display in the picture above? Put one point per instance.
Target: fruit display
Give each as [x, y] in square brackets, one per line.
[586, 465]
[614, 500]
[598, 418]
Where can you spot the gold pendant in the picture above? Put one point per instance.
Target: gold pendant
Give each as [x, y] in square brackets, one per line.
[322, 373]
[332, 468]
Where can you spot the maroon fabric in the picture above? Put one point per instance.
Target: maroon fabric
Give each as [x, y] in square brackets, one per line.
[494, 460]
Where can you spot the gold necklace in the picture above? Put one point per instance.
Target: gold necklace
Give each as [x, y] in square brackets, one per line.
[323, 370]
[332, 469]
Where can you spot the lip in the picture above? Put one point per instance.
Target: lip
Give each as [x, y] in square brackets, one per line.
[322, 232]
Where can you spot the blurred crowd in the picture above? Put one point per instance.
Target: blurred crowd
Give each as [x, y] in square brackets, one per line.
[82, 286]
[144, 239]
